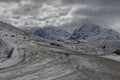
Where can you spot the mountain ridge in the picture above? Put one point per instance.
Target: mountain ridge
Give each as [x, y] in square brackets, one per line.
[93, 32]
[52, 33]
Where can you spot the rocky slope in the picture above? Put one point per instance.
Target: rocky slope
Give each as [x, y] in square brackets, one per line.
[52, 33]
[30, 59]
[93, 32]
[100, 47]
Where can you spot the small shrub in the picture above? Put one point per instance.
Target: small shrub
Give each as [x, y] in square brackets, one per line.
[6, 35]
[24, 37]
[117, 52]
[12, 35]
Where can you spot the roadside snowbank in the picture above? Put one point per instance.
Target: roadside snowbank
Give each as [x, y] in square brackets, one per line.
[113, 57]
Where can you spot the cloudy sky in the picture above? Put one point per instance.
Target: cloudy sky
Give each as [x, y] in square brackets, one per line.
[66, 13]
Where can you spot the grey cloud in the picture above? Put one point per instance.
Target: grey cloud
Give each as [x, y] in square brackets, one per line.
[95, 2]
[9, 0]
[42, 1]
[32, 8]
[98, 11]
[104, 8]
[27, 9]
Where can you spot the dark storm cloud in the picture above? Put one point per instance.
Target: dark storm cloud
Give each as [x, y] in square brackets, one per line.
[103, 7]
[78, 11]
[98, 11]
[95, 2]
[9, 0]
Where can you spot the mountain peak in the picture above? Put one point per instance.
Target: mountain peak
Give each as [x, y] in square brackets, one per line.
[90, 25]
[90, 31]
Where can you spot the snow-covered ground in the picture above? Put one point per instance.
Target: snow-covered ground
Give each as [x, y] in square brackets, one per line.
[52, 62]
[15, 57]
[112, 57]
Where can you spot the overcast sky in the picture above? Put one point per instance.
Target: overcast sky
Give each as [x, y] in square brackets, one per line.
[67, 13]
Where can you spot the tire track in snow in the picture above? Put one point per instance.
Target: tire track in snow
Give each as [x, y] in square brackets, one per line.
[14, 59]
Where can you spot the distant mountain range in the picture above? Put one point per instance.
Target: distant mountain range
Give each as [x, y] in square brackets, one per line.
[88, 31]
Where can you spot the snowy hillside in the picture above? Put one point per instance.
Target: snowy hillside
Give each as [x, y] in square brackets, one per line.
[16, 45]
[27, 57]
[101, 47]
[52, 33]
[92, 32]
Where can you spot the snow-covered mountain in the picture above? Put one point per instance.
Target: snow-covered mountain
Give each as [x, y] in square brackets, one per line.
[92, 32]
[27, 57]
[52, 33]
